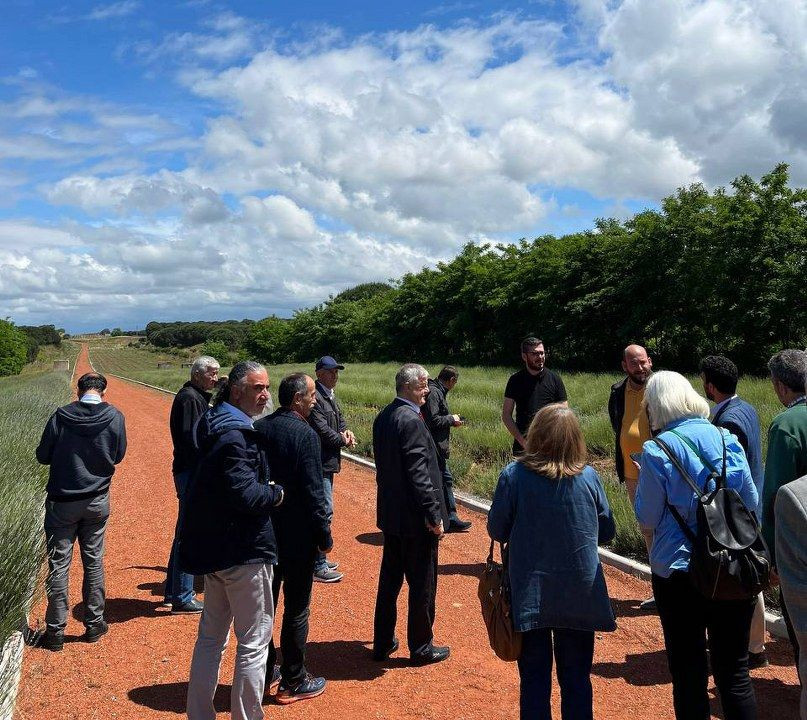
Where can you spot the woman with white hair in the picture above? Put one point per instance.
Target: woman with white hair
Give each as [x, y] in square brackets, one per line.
[679, 416]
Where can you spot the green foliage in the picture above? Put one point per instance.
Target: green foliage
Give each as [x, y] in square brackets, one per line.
[708, 273]
[267, 339]
[216, 349]
[40, 335]
[232, 333]
[13, 348]
[25, 405]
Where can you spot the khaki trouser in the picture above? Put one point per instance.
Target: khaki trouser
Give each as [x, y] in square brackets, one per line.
[242, 596]
[756, 641]
[630, 485]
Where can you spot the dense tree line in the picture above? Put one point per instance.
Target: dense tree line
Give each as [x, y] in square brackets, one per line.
[706, 273]
[38, 335]
[231, 333]
[13, 348]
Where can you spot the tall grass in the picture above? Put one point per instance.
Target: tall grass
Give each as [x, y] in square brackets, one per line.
[26, 403]
[480, 449]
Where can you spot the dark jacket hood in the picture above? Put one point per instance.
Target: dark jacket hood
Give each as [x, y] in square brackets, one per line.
[215, 422]
[85, 419]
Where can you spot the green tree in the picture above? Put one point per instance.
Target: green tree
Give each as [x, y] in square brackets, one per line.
[13, 348]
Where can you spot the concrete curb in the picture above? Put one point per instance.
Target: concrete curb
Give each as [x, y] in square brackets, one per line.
[10, 673]
[774, 623]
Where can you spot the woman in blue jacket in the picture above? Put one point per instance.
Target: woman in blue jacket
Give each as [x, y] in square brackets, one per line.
[550, 506]
[679, 415]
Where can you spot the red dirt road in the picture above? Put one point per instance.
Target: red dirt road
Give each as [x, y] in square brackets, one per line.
[139, 671]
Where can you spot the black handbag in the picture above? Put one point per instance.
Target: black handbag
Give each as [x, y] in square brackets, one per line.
[729, 559]
[494, 596]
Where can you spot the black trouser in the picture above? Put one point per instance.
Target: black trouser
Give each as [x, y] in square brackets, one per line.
[414, 558]
[686, 618]
[296, 575]
[448, 488]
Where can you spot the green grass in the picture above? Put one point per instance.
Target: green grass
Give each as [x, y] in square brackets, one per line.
[26, 403]
[480, 449]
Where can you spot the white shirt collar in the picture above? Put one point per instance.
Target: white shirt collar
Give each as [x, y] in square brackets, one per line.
[717, 408]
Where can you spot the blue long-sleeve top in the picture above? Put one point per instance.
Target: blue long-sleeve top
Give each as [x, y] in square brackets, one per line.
[553, 527]
[660, 483]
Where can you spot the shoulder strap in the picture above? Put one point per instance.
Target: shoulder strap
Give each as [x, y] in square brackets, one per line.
[720, 478]
[678, 466]
[684, 474]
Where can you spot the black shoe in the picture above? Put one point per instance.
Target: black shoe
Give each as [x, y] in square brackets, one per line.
[381, 655]
[757, 660]
[457, 525]
[437, 654]
[648, 605]
[94, 632]
[52, 641]
[192, 607]
[310, 687]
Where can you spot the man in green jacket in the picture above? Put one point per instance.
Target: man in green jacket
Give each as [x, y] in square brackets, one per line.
[787, 445]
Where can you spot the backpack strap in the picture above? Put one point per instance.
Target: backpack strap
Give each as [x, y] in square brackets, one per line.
[719, 478]
[684, 474]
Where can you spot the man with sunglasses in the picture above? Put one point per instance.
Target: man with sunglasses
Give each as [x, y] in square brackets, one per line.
[528, 390]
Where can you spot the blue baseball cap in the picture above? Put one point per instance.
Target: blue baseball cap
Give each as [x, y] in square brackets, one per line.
[326, 362]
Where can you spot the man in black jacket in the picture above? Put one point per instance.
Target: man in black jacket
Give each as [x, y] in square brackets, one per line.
[412, 515]
[190, 403]
[227, 536]
[82, 443]
[303, 529]
[440, 420]
[328, 422]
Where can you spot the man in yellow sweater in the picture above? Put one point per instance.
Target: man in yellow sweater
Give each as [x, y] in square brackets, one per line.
[630, 424]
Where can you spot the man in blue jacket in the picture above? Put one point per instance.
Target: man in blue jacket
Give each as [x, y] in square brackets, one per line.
[227, 536]
[82, 443]
[719, 376]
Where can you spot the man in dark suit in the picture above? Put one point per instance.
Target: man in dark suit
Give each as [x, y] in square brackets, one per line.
[412, 515]
[440, 420]
[328, 422]
[302, 528]
[719, 376]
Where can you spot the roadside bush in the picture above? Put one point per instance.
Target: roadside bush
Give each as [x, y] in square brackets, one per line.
[13, 349]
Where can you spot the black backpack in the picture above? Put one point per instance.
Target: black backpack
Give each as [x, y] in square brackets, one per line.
[729, 559]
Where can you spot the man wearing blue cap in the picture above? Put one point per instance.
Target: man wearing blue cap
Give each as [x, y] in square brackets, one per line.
[328, 422]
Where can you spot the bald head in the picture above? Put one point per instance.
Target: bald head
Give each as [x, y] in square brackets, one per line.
[637, 365]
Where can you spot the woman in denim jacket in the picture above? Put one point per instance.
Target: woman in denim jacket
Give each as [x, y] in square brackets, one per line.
[675, 412]
[550, 506]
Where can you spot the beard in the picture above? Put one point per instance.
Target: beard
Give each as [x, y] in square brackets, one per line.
[639, 378]
[535, 365]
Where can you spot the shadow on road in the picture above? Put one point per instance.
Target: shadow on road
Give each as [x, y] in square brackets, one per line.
[348, 660]
[640, 669]
[172, 697]
[630, 608]
[470, 569]
[371, 538]
[120, 610]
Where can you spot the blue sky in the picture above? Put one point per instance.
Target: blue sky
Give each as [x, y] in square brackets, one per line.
[209, 160]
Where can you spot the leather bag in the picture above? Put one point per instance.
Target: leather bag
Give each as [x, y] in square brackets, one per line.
[729, 559]
[494, 596]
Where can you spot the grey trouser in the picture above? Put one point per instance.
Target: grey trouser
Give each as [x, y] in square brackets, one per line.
[241, 595]
[64, 522]
[756, 640]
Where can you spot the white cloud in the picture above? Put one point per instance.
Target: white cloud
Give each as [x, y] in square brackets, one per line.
[113, 10]
[333, 161]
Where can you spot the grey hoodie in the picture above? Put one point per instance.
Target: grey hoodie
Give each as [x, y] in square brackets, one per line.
[82, 443]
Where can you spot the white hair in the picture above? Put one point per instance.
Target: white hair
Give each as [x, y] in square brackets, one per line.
[669, 396]
[409, 373]
[203, 364]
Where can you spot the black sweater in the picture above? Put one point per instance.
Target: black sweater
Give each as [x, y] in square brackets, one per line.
[82, 443]
[189, 405]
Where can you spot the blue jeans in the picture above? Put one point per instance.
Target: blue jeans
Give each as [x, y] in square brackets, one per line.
[178, 584]
[448, 492]
[321, 562]
[574, 654]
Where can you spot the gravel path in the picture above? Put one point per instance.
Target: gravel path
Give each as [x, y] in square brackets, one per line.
[139, 670]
